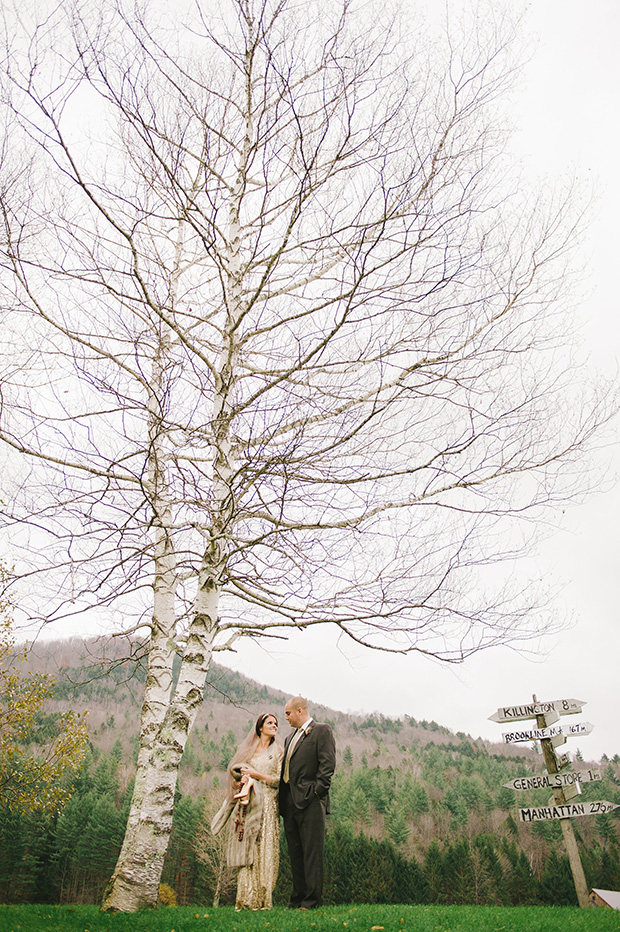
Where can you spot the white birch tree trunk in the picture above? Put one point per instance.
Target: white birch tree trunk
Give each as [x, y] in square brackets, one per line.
[168, 717]
[135, 881]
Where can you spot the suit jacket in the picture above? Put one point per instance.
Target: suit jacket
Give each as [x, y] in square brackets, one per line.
[311, 765]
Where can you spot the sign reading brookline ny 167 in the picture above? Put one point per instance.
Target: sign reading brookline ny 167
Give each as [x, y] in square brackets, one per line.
[553, 781]
[518, 713]
[537, 734]
[566, 811]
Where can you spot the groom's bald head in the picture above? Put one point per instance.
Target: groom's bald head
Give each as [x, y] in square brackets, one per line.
[296, 711]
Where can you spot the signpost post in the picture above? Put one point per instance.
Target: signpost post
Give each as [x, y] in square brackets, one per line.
[551, 763]
[551, 732]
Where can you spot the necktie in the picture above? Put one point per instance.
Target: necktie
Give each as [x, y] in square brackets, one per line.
[289, 751]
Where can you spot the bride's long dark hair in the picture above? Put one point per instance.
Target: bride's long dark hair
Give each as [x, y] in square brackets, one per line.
[246, 749]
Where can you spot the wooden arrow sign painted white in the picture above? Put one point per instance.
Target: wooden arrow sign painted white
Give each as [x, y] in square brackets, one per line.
[567, 811]
[555, 731]
[530, 734]
[553, 780]
[518, 713]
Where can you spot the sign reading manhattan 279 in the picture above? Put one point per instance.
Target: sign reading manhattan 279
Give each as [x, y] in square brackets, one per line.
[537, 734]
[566, 811]
[517, 713]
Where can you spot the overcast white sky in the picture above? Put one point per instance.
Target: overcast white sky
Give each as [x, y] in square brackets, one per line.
[568, 116]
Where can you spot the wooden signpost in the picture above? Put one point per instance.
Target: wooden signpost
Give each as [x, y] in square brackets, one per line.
[565, 786]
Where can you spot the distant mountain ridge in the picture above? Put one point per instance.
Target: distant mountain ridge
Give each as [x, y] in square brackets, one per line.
[101, 672]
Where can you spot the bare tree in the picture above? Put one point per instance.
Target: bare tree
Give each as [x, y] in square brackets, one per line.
[211, 852]
[282, 345]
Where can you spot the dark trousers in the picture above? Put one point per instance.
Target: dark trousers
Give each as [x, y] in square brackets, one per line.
[305, 837]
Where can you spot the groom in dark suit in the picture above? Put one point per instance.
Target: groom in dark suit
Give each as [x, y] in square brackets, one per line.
[307, 769]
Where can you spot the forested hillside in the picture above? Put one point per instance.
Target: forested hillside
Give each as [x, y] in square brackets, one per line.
[418, 814]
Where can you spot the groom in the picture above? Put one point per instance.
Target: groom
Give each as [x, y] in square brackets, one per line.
[307, 768]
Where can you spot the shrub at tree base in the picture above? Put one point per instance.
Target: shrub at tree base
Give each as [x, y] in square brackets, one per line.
[166, 895]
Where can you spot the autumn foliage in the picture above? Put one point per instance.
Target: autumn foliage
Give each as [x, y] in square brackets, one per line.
[38, 753]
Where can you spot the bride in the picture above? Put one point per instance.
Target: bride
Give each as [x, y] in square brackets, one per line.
[250, 813]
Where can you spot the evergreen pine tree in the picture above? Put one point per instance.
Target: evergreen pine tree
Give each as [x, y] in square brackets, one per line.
[459, 871]
[434, 873]
[557, 887]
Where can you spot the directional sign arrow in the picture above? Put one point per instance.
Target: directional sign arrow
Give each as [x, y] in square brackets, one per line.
[531, 734]
[554, 732]
[518, 713]
[567, 811]
[553, 780]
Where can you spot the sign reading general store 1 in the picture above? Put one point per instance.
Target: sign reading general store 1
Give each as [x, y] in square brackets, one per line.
[553, 780]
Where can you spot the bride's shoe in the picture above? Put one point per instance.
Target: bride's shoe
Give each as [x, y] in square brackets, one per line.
[244, 795]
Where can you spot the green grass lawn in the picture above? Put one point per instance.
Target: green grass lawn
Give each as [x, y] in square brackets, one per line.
[328, 919]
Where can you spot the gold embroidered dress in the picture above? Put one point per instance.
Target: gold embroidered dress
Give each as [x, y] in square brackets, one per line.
[256, 880]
